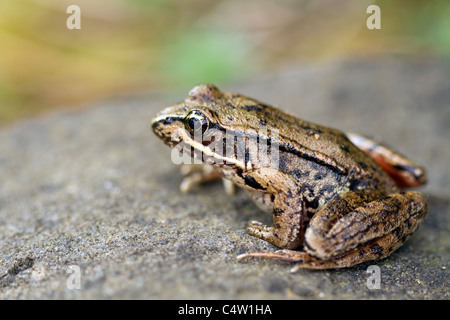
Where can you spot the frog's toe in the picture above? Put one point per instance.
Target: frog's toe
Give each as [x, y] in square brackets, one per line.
[258, 229]
[256, 224]
[302, 259]
[281, 255]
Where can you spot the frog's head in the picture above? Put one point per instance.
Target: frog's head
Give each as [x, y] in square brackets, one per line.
[208, 115]
[193, 116]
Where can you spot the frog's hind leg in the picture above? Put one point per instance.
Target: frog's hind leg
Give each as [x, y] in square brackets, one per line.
[375, 250]
[404, 172]
[338, 238]
[370, 232]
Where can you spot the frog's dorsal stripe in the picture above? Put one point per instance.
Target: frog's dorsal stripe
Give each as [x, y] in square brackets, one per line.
[301, 151]
[314, 156]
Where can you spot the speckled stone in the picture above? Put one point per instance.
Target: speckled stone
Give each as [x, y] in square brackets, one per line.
[90, 206]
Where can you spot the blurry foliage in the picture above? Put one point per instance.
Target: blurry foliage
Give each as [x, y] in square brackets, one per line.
[126, 47]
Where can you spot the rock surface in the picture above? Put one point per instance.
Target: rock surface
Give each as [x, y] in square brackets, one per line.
[90, 206]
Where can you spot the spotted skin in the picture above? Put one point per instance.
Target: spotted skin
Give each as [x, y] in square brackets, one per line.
[335, 198]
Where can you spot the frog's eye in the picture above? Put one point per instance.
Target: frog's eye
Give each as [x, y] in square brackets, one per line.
[196, 122]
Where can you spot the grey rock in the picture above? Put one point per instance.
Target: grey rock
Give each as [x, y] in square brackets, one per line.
[90, 206]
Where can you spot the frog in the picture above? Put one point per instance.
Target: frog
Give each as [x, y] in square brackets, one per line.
[337, 199]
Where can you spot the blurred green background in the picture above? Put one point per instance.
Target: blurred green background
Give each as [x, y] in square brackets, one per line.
[139, 46]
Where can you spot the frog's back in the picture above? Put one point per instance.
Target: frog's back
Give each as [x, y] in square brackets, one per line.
[317, 145]
[311, 153]
[328, 158]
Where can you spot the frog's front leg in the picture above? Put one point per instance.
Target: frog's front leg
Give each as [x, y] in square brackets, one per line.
[353, 229]
[288, 213]
[195, 174]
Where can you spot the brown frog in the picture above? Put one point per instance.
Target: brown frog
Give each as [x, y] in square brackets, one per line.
[334, 196]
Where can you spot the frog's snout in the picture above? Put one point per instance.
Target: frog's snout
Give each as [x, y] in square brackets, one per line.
[157, 124]
[154, 123]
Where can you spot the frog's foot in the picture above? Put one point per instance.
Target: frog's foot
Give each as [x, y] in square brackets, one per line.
[260, 230]
[302, 259]
[198, 174]
[274, 235]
